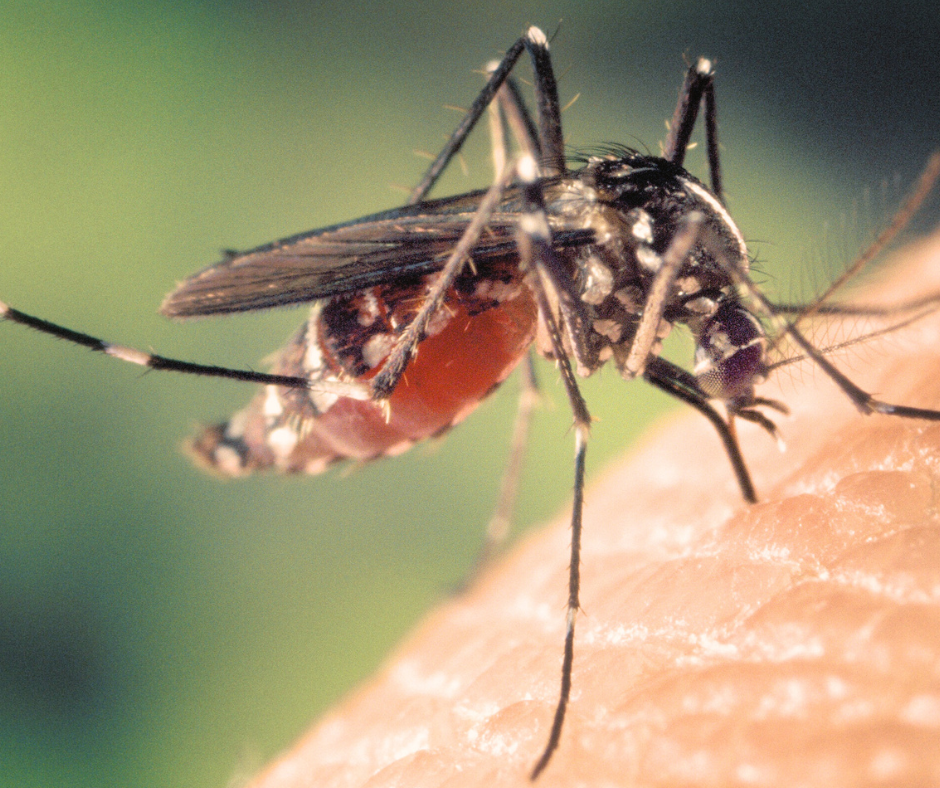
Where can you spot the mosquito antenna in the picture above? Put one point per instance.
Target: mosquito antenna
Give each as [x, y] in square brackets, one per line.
[907, 211]
[902, 218]
[867, 337]
[852, 310]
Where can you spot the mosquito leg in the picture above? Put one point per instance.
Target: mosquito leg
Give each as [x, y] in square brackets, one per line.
[697, 89]
[866, 337]
[497, 530]
[551, 146]
[862, 400]
[581, 433]
[865, 402]
[549, 113]
[711, 141]
[679, 383]
[647, 330]
[913, 202]
[509, 110]
[459, 135]
[927, 305]
[551, 141]
[582, 421]
[499, 142]
[534, 240]
[518, 119]
[156, 362]
[552, 149]
[407, 343]
[509, 115]
[537, 233]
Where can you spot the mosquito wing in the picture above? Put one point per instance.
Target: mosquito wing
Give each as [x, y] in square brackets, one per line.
[385, 247]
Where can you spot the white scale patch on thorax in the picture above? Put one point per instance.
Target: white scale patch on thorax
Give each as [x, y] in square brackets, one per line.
[646, 256]
[598, 281]
[699, 191]
[642, 228]
[313, 355]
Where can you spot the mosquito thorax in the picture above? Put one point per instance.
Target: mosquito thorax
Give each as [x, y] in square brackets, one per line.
[635, 205]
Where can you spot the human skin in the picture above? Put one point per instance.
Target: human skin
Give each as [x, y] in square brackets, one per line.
[791, 642]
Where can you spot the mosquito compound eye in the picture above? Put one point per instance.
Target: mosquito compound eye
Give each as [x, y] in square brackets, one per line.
[730, 352]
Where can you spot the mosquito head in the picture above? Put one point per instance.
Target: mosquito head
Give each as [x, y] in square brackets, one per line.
[729, 352]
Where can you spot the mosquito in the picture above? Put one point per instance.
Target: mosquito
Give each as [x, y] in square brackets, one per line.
[420, 312]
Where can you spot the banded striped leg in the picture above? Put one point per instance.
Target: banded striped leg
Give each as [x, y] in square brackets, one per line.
[552, 152]
[863, 401]
[551, 145]
[544, 142]
[697, 89]
[497, 529]
[510, 118]
[536, 253]
[681, 384]
[162, 363]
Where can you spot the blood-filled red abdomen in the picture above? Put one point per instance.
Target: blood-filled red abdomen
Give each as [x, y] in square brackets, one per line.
[293, 430]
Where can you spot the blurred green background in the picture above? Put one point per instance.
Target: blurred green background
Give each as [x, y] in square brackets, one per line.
[159, 627]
